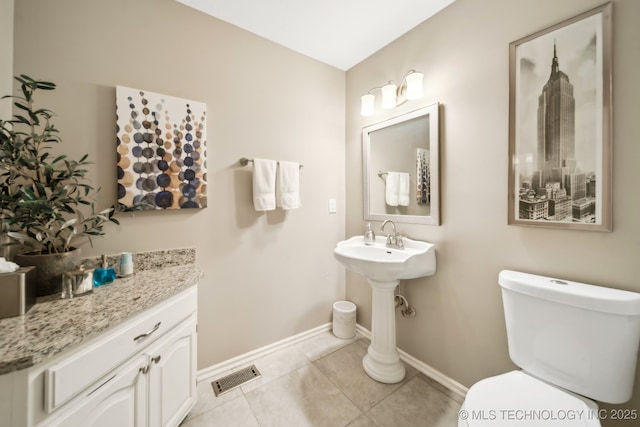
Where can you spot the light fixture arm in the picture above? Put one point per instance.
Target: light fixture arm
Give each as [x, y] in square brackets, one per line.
[410, 88]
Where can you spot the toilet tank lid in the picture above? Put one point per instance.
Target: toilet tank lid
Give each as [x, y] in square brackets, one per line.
[591, 297]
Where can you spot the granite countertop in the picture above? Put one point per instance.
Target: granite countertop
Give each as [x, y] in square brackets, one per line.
[54, 324]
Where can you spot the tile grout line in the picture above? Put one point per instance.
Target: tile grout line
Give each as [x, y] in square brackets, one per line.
[336, 385]
[404, 381]
[253, 412]
[316, 365]
[249, 362]
[279, 376]
[242, 359]
[310, 362]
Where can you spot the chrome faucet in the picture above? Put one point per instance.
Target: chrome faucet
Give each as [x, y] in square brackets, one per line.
[394, 240]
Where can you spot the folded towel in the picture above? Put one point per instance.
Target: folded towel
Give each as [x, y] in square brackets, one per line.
[391, 188]
[397, 189]
[264, 184]
[288, 185]
[403, 189]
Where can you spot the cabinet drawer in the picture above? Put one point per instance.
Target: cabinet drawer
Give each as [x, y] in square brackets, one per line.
[66, 379]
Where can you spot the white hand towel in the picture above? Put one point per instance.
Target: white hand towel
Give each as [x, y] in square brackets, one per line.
[288, 185]
[264, 184]
[403, 188]
[8, 266]
[391, 188]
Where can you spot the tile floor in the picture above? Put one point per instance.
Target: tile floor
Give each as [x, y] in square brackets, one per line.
[320, 382]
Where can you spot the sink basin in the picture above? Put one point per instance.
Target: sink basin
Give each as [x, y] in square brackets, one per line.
[377, 262]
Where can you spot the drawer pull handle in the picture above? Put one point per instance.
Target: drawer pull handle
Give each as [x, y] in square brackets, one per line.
[146, 334]
[156, 359]
[144, 369]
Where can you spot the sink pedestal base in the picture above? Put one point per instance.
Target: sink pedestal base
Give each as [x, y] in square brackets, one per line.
[382, 362]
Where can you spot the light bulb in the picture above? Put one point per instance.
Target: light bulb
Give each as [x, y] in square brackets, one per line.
[414, 85]
[367, 105]
[389, 96]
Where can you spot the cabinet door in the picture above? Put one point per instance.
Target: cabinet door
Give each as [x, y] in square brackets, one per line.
[119, 401]
[172, 376]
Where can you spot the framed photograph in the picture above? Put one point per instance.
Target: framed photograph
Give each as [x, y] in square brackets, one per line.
[560, 125]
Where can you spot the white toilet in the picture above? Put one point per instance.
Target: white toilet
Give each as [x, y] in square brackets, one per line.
[574, 342]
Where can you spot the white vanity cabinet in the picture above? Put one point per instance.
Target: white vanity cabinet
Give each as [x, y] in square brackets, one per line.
[172, 377]
[155, 389]
[139, 373]
[120, 401]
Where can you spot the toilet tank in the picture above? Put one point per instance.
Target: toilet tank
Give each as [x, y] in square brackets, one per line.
[580, 337]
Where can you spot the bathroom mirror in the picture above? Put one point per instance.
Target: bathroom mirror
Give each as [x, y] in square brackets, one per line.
[400, 168]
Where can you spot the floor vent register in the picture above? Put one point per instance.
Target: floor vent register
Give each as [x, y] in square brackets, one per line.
[235, 380]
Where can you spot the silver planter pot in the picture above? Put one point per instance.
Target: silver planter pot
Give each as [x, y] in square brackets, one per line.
[49, 268]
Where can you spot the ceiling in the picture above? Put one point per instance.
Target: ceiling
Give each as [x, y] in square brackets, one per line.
[337, 32]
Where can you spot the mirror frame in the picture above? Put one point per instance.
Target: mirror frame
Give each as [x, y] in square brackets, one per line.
[434, 218]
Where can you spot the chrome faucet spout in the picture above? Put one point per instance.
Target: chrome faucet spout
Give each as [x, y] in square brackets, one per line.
[394, 240]
[393, 224]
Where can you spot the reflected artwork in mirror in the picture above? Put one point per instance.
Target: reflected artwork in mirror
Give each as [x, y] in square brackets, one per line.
[400, 168]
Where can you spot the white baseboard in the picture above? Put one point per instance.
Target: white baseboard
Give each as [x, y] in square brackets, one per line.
[244, 359]
[432, 373]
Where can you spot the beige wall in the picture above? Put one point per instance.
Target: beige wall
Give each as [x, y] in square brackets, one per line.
[267, 276]
[463, 51]
[6, 53]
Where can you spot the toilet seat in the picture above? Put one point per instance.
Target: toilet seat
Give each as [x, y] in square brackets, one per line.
[519, 399]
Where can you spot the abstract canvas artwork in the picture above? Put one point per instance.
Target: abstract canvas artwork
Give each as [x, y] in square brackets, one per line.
[161, 150]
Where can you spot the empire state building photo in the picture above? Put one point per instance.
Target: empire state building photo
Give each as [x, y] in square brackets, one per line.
[557, 189]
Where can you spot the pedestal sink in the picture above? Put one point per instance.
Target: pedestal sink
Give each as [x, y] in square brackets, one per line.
[384, 268]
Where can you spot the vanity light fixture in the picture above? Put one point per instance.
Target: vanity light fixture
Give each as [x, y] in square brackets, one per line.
[392, 95]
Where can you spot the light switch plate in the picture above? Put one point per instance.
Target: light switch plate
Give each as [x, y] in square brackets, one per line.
[332, 205]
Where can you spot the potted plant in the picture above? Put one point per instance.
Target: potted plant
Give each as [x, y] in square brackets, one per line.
[47, 205]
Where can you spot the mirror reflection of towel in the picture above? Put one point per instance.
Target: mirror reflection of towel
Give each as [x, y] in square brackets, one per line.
[403, 189]
[397, 189]
[391, 188]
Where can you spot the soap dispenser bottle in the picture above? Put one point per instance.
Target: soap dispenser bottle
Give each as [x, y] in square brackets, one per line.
[104, 274]
[369, 235]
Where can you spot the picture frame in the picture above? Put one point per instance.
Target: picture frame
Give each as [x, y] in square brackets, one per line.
[161, 150]
[560, 125]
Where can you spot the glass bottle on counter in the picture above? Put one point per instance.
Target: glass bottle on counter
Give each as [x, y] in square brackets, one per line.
[104, 274]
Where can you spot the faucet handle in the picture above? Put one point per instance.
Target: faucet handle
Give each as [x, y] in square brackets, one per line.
[398, 241]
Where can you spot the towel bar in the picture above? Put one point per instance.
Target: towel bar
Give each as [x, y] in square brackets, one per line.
[380, 173]
[244, 161]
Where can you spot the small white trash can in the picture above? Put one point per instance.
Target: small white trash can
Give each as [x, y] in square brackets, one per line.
[344, 319]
